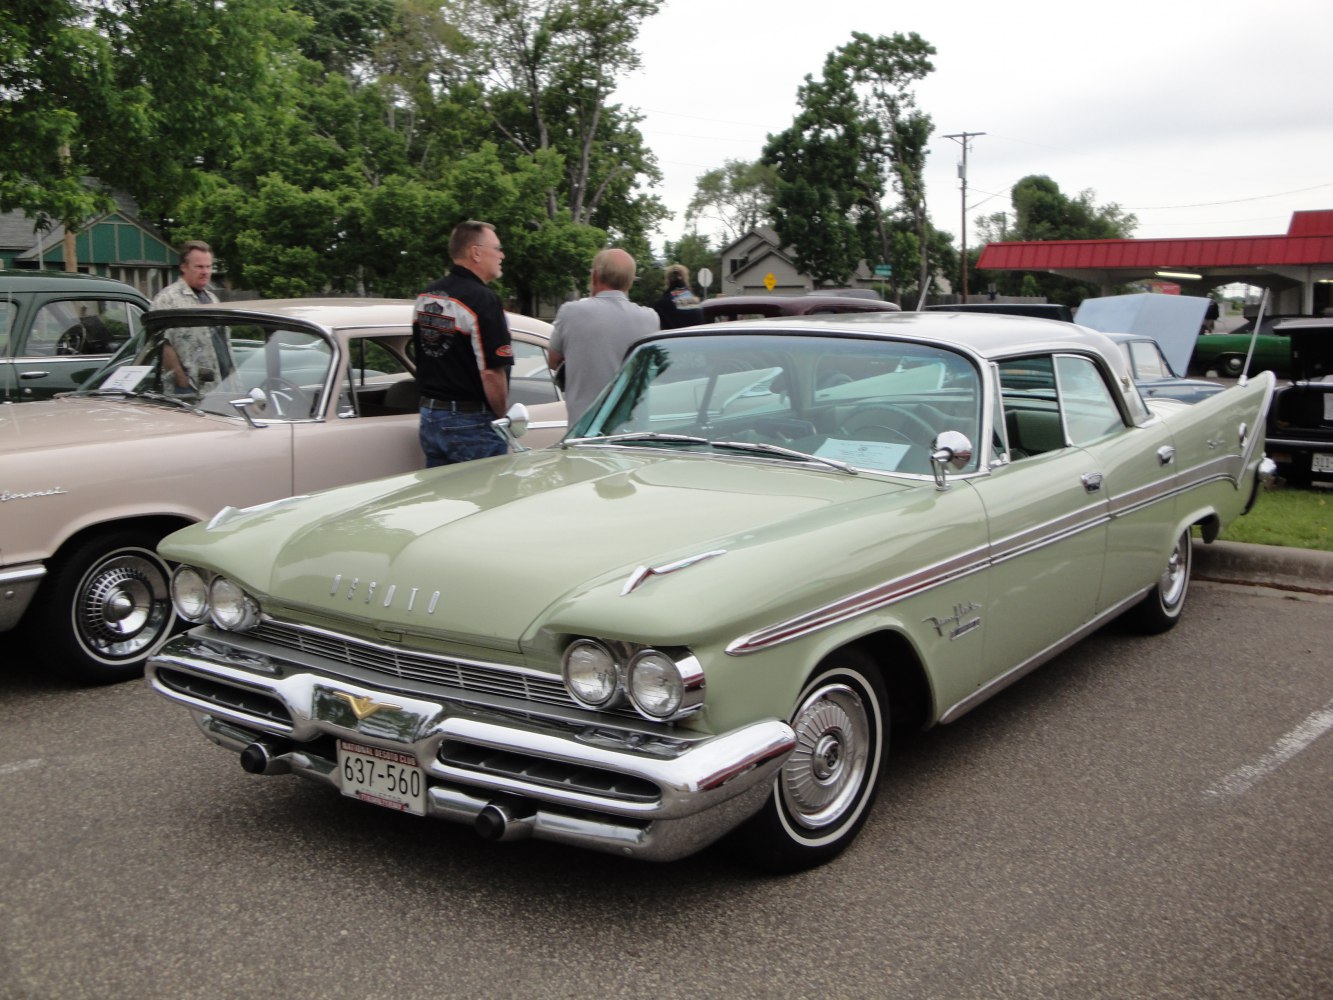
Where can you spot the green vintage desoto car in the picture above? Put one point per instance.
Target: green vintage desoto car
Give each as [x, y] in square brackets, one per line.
[699, 615]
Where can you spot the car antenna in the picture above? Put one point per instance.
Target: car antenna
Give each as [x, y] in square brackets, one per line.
[1254, 336]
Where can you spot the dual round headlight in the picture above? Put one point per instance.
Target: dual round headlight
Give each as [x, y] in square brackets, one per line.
[198, 597]
[659, 686]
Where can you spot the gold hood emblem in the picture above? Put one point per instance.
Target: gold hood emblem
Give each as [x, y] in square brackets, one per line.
[362, 708]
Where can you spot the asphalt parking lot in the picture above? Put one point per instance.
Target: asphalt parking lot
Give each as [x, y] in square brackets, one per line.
[1139, 818]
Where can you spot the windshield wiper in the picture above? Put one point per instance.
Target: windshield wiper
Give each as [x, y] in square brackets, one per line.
[650, 436]
[773, 449]
[152, 397]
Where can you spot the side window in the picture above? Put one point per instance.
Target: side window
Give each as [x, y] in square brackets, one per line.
[378, 382]
[1089, 408]
[1148, 360]
[8, 310]
[1031, 406]
[81, 326]
[530, 380]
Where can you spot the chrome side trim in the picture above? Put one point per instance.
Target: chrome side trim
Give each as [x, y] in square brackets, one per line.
[1001, 550]
[866, 601]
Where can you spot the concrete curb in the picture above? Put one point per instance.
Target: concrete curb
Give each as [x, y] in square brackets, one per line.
[1306, 570]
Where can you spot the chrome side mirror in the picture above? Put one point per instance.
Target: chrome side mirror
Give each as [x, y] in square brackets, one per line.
[256, 398]
[952, 449]
[513, 425]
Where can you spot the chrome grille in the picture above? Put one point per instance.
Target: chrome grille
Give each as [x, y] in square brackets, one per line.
[406, 665]
[491, 762]
[256, 704]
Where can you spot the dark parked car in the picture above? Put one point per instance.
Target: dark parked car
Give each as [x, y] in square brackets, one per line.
[1300, 420]
[56, 329]
[729, 307]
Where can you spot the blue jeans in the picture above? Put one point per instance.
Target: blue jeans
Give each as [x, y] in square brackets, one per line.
[448, 437]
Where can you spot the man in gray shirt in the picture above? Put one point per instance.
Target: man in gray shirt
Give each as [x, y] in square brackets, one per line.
[592, 335]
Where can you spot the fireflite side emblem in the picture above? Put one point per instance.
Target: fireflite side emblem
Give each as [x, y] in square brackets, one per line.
[956, 619]
[362, 708]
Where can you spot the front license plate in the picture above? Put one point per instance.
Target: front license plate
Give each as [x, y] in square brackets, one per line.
[386, 778]
[1320, 462]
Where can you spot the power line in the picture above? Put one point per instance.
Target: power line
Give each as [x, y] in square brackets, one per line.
[1233, 201]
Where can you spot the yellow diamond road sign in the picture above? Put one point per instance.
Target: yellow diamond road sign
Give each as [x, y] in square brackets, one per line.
[770, 281]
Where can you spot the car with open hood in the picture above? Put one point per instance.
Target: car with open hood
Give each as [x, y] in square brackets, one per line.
[766, 544]
[1300, 421]
[316, 393]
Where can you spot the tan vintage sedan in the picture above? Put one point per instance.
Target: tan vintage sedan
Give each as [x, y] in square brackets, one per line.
[319, 393]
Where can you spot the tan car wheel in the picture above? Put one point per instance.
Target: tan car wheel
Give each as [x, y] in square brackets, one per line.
[104, 607]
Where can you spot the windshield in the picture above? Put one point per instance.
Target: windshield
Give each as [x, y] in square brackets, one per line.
[871, 403]
[201, 362]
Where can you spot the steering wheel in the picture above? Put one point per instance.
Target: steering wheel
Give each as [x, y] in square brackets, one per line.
[71, 341]
[285, 398]
[893, 421]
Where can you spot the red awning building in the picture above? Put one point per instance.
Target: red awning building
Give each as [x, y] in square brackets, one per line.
[1296, 268]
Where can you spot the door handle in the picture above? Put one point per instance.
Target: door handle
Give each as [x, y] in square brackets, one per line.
[1092, 482]
[32, 374]
[1166, 455]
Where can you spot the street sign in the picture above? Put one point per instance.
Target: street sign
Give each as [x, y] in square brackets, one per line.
[770, 281]
[883, 270]
[705, 278]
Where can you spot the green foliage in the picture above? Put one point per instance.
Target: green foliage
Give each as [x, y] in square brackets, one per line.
[1043, 212]
[332, 145]
[54, 71]
[546, 69]
[858, 136]
[738, 196]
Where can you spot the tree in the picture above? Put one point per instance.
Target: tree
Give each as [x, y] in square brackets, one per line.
[858, 135]
[547, 69]
[144, 95]
[737, 196]
[884, 69]
[53, 78]
[1043, 212]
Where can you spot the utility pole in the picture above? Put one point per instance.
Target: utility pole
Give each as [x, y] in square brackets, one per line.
[961, 138]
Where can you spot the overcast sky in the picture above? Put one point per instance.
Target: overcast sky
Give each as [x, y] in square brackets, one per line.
[1201, 118]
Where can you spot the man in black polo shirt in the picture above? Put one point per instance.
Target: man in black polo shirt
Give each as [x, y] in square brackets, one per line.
[463, 352]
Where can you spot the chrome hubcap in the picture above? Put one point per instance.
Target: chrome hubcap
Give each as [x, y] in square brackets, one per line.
[123, 606]
[825, 773]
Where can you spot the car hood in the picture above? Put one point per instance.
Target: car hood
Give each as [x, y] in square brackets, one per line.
[498, 552]
[1174, 321]
[81, 421]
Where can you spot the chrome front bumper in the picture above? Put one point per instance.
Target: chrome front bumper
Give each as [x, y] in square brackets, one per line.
[637, 791]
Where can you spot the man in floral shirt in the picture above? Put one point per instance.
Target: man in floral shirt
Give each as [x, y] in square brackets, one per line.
[194, 359]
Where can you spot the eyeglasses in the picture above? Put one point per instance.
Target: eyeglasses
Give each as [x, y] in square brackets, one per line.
[487, 246]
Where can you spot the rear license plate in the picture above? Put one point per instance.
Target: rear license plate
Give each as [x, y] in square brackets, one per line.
[1320, 462]
[386, 778]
